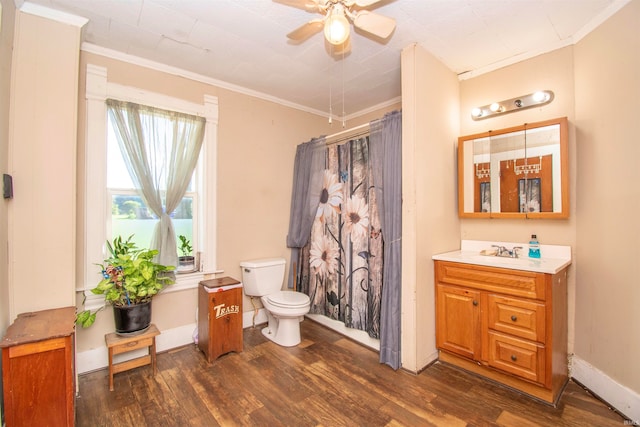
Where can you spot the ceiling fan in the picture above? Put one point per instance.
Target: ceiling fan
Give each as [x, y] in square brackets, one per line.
[336, 17]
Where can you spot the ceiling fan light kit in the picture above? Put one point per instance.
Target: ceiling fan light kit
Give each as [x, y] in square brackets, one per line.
[337, 15]
[336, 27]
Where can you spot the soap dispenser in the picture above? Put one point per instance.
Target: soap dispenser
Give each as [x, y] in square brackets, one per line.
[534, 247]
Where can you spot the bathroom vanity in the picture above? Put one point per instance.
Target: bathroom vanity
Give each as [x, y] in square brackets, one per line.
[505, 318]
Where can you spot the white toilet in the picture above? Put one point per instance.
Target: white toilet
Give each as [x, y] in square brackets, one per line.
[263, 278]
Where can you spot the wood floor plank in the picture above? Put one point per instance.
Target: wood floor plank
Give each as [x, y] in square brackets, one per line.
[327, 380]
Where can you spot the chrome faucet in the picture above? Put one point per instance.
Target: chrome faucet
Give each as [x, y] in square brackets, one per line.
[507, 253]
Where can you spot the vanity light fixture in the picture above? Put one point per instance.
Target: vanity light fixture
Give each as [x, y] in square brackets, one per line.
[536, 99]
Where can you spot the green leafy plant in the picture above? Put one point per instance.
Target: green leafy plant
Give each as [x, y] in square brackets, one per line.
[130, 276]
[185, 245]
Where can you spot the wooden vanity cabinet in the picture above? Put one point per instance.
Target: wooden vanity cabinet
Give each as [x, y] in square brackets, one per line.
[507, 325]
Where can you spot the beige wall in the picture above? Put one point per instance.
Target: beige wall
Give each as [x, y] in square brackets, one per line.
[430, 223]
[552, 71]
[596, 86]
[42, 148]
[607, 69]
[257, 141]
[6, 42]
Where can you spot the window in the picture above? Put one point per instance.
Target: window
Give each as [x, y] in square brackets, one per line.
[107, 186]
[128, 214]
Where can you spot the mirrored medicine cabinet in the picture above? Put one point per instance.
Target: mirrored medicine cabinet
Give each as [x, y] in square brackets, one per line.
[518, 172]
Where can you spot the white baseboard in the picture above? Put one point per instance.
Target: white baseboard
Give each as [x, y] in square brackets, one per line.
[623, 399]
[98, 358]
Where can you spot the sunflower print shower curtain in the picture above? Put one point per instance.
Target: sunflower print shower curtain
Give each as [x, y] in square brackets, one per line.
[343, 261]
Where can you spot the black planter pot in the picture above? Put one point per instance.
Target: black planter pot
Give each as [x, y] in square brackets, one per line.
[132, 319]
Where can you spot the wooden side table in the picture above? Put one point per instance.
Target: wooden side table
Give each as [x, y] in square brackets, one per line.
[118, 344]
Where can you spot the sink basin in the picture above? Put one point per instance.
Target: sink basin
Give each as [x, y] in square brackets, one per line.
[555, 258]
[499, 260]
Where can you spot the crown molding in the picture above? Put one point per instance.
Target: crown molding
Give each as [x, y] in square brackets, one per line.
[56, 15]
[157, 66]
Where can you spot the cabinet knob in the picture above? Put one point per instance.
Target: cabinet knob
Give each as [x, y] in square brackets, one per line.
[513, 357]
[475, 302]
[514, 317]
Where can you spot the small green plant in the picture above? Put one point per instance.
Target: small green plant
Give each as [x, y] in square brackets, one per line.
[129, 277]
[185, 245]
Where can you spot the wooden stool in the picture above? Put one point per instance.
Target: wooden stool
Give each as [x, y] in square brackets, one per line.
[119, 344]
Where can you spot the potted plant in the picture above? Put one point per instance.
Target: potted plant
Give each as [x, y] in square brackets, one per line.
[186, 262]
[130, 280]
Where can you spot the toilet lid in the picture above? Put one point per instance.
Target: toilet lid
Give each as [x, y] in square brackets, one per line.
[288, 299]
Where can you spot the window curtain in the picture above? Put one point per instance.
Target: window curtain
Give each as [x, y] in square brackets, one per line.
[386, 159]
[161, 150]
[307, 185]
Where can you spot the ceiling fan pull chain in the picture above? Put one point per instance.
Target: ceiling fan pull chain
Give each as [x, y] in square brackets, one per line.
[344, 122]
[330, 91]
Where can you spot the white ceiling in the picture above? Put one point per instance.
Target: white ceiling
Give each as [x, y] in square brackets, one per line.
[243, 43]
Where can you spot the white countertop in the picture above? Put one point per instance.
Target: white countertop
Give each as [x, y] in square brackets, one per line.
[554, 257]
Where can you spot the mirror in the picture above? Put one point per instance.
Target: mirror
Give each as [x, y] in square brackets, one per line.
[519, 172]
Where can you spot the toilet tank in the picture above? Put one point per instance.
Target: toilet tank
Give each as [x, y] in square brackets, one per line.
[262, 276]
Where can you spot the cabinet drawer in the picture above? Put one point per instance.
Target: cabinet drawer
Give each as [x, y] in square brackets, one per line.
[525, 319]
[517, 283]
[516, 356]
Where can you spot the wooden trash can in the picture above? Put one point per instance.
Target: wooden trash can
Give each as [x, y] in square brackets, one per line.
[219, 317]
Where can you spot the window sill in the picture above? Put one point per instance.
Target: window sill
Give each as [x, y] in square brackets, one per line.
[184, 281]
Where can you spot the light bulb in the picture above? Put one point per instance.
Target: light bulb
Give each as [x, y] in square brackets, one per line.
[476, 112]
[336, 28]
[495, 107]
[540, 96]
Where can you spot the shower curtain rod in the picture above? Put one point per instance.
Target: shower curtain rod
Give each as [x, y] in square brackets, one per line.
[345, 135]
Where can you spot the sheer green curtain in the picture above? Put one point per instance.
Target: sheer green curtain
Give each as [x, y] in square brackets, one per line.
[160, 149]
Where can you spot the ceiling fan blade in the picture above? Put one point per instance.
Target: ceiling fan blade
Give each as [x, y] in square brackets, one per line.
[308, 5]
[366, 3]
[305, 31]
[372, 23]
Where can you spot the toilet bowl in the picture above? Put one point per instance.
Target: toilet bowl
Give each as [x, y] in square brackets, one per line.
[263, 278]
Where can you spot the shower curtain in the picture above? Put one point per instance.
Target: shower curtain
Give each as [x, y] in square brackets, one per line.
[342, 263]
[351, 266]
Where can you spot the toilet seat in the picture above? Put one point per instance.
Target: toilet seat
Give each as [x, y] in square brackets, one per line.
[288, 299]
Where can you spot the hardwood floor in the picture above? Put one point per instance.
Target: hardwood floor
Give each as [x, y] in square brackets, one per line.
[327, 380]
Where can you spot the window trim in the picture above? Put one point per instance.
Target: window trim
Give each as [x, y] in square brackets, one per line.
[98, 89]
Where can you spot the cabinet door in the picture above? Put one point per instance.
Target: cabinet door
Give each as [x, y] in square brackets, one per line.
[225, 317]
[38, 383]
[458, 321]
